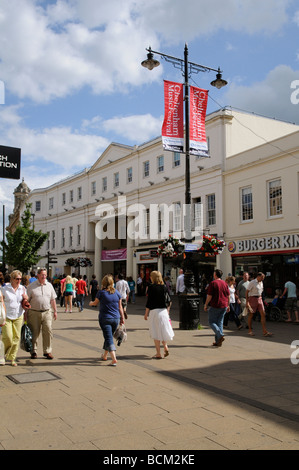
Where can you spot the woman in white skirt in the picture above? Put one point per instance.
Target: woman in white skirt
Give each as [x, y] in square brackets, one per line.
[156, 309]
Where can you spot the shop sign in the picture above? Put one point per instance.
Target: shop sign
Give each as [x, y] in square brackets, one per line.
[265, 243]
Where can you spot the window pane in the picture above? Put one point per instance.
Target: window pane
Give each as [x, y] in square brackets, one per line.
[246, 204]
[275, 197]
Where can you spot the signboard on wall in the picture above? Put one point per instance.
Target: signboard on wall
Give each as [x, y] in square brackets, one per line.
[10, 162]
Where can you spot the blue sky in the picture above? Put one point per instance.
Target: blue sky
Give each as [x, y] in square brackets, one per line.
[73, 80]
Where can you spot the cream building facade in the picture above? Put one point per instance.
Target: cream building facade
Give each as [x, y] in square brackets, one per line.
[76, 210]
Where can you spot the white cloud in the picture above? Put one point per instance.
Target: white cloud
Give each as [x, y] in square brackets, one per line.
[138, 129]
[61, 146]
[271, 97]
[50, 52]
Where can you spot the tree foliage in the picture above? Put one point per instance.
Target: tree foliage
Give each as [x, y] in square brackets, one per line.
[22, 246]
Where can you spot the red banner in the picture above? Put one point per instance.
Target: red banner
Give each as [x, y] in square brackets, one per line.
[173, 125]
[198, 108]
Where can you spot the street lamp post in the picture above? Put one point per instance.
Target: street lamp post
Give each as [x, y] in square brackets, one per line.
[189, 301]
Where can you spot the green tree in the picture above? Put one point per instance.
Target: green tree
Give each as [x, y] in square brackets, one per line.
[22, 246]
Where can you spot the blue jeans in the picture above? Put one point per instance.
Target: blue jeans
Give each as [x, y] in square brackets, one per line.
[80, 301]
[216, 316]
[108, 327]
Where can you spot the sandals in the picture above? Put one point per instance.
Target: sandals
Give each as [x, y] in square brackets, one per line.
[267, 334]
[157, 357]
[166, 353]
[103, 358]
[251, 333]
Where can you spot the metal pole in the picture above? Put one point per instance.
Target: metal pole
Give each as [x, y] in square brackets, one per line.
[187, 130]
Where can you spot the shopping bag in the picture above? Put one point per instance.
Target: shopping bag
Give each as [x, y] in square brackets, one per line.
[2, 353]
[26, 338]
[2, 314]
[120, 334]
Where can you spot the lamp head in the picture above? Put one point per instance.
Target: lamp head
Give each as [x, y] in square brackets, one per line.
[150, 63]
[219, 82]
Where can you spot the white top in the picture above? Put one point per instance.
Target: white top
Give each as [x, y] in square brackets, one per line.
[232, 298]
[123, 288]
[180, 285]
[255, 288]
[12, 300]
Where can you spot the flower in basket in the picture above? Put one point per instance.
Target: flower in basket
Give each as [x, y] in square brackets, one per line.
[81, 261]
[211, 245]
[171, 247]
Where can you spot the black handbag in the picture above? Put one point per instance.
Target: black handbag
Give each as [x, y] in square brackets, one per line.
[26, 338]
[167, 298]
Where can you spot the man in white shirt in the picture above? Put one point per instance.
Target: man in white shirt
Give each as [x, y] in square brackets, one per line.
[123, 288]
[180, 285]
[254, 302]
[291, 302]
[42, 297]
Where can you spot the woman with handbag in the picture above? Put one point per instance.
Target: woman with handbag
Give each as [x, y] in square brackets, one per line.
[110, 315]
[13, 294]
[158, 302]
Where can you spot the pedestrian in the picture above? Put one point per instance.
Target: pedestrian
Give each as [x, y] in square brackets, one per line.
[254, 303]
[32, 277]
[241, 292]
[81, 291]
[93, 287]
[180, 285]
[218, 299]
[231, 312]
[13, 295]
[68, 290]
[41, 295]
[110, 315]
[131, 283]
[156, 310]
[123, 288]
[139, 285]
[290, 289]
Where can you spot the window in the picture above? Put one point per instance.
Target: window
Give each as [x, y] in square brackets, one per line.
[53, 239]
[275, 197]
[146, 167]
[78, 234]
[116, 180]
[79, 193]
[71, 236]
[211, 209]
[62, 238]
[146, 225]
[48, 241]
[71, 195]
[51, 202]
[93, 188]
[160, 164]
[176, 159]
[37, 206]
[104, 184]
[63, 199]
[198, 222]
[129, 175]
[177, 217]
[246, 204]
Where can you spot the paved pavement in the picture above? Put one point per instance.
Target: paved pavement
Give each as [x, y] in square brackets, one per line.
[244, 395]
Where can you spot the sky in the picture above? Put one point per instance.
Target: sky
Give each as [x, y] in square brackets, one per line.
[73, 81]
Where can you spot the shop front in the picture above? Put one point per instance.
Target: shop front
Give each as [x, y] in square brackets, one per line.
[276, 256]
[147, 262]
[114, 261]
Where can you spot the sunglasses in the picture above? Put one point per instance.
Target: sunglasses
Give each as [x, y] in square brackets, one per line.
[18, 278]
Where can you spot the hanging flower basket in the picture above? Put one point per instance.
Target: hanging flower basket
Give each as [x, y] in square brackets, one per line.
[78, 262]
[171, 247]
[211, 245]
